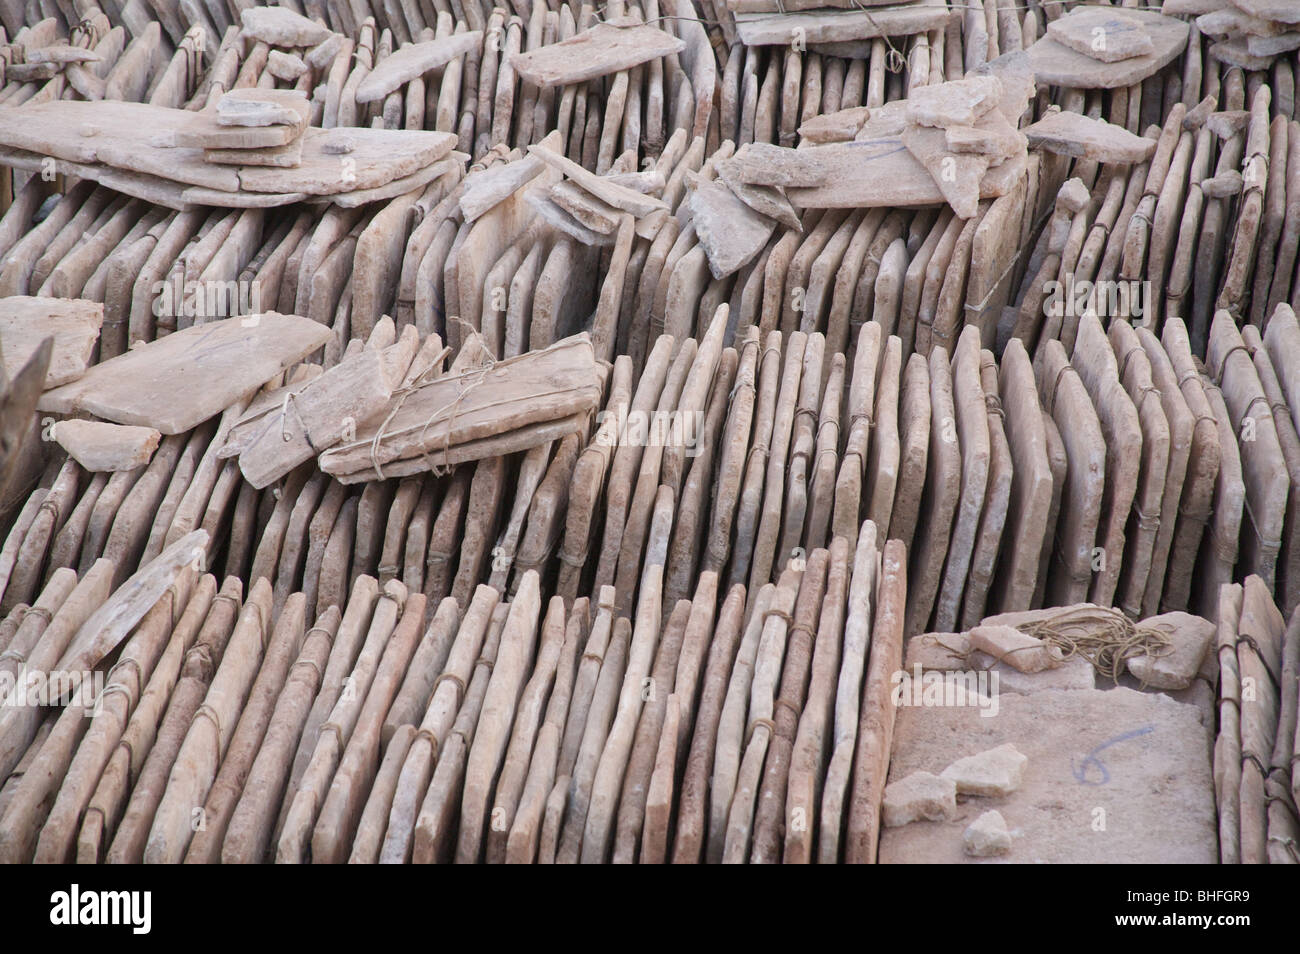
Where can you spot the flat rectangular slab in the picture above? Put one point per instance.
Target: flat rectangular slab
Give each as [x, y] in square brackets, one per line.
[1139, 757]
[610, 47]
[1121, 429]
[833, 26]
[1065, 399]
[871, 173]
[412, 60]
[177, 382]
[25, 321]
[1031, 482]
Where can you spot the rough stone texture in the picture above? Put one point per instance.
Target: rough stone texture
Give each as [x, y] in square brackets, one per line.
[100, 447]
[995, 773]
[1142, 758]
[731, 232]
[413, 60]
[1013, 647]
[264, 107]
[182, 379]
[278, 26]
[958, 103]
[1055, 64]
[1107, 35]
[1073, 134]
[618, 44]
[1191, 637]
[987, 836]
[73, 323]
[919, 797]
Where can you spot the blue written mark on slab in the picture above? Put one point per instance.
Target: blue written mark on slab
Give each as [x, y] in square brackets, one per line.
[1081, 771]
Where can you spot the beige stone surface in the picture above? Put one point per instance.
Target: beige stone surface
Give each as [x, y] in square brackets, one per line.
[617, 44]
[73, 323]
[919, 797]
[1113, 776]
[102, 447]
[1058, 65]
[178, 381]
[987, 836]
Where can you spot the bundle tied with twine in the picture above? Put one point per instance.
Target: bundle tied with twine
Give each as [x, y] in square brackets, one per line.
[1105, 637]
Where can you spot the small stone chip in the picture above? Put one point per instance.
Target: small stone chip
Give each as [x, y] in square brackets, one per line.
[989, 774]
[919, 797]
[1016, 649]
[987, 836]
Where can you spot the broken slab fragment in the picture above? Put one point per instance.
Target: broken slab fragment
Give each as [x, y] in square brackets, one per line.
[487, 188]
[919, 797]
[765, 200]
[1191, 637]
[284, 157]
[264, 107]
[610, 47]
[1073, 134]
[731, 232]
[956, 103]
[62, 53]
[957, 175]
[73, 323]
[880, 173]
[990, 774]
[285, 66]
[312, 418]
[621, 197]
[766, 164]
[1103, 33]
[1016, 649]
[350, 159]
[1056, 64]
[177, 382]
[278, 26]
[415, 59]
[987, 836]
[1282, 11]
[101, 447]
[839, 126]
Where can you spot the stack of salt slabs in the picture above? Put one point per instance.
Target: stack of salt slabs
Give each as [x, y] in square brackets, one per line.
[1255, 767]
[258, 127]
[1248, 33]
[961, 145]
[482, 408]
[1102, 47]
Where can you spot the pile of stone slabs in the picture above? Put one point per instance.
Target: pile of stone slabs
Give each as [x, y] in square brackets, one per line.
[158, 154]
[1251, 34]
[1102, 47]
[256, 127]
